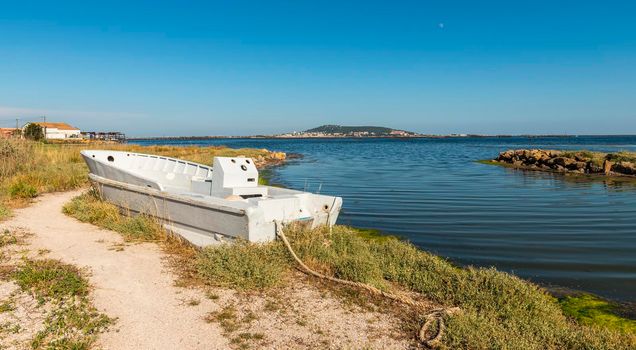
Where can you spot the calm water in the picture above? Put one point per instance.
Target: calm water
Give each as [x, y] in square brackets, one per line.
[543, 227]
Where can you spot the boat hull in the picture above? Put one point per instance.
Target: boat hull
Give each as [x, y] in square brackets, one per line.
[204, 220]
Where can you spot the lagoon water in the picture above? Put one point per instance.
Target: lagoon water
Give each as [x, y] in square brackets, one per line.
[547, 228]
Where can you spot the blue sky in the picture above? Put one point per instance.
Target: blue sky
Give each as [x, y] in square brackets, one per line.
[243, 67]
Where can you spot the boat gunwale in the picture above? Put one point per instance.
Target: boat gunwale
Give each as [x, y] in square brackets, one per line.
[86, 151]
[85, 154]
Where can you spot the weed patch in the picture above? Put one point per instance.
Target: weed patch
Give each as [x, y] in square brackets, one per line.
[4, 211]
[73, 325]
[7, 238]
[242, 265]
[48, 279]
[88, 208]
[73, 322]
[590, 310]
[21, 189]
[227, 318]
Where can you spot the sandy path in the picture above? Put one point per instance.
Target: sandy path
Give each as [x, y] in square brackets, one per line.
[132, 284]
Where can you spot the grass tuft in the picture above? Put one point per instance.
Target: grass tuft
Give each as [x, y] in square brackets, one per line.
[4, 211]
[226, 317]
[242, 265]
[74, 325]
[22, 189]
[88, 208]
[48, 279]
[73, 322]
[7, 238]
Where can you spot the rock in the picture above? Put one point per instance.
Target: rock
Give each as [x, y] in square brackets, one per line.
[607, 167]
[278, 155]
[564, 162]
[580, 158]
[627, 168]
[505, 156]
[593, 168]
[576, 162]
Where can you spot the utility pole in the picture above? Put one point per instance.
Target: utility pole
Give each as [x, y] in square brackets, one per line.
[17, 122]
[44, 126]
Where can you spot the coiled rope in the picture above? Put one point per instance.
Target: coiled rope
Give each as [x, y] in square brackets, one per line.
[432, 317]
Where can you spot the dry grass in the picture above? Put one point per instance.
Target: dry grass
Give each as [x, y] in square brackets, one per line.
[29, 168]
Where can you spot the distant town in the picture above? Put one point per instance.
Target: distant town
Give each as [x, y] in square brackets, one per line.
[342, 131]
[349, 131]
[63, 132]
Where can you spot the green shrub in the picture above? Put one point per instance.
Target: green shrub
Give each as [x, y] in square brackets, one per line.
[4, 212]
[242, 265]
[88, 208]
[72, 322]
[621, 157]
[33, 132]
[22, 190]
[51, 279]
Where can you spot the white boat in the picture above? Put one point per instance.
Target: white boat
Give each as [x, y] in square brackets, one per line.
[203, 204]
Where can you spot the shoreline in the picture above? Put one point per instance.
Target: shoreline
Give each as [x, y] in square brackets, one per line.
[582, 163]
[622, 308]
[447, 280]
[273, 137]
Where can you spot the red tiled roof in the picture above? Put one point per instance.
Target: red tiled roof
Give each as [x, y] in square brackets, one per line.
[7, 132]
[60, 126]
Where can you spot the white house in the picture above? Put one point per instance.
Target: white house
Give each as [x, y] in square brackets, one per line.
[58, 130]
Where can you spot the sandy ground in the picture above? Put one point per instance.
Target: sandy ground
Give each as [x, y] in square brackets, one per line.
[134, 285]
[131, 284]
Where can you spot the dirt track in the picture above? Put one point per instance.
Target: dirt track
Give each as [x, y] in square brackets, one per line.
[131, 283]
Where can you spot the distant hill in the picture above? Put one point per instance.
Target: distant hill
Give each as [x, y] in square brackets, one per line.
[341, 129]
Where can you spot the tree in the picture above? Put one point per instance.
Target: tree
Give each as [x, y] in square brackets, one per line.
[33, 132]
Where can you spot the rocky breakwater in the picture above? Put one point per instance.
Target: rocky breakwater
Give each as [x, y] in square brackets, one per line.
[579, 162]
[270, 158]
